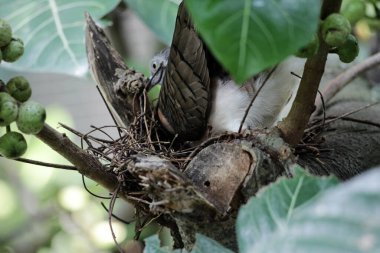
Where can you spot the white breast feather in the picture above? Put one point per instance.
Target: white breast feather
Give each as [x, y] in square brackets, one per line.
[270, 106]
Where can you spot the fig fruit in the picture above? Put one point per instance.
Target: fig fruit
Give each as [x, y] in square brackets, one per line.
[349, 50]
[335, 29]
[12, 145]
[13, 50]
[31, 117]
[5, 33]
[19, 88]
[8, 109]
[354, 10]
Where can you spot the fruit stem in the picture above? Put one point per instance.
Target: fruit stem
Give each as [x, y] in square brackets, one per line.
[293, 126]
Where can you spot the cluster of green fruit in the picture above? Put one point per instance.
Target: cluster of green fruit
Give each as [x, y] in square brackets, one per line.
[336, 32]
[11, 48]
[15, 105]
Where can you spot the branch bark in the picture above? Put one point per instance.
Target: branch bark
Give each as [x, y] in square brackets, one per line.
[294, 124]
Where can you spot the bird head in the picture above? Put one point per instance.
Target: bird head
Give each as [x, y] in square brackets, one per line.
[158, 67]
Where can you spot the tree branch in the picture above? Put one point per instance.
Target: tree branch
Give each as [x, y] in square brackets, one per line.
[294, 124]
[86, 164]
[338, 83]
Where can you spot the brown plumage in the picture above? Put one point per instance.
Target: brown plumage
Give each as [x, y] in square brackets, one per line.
[184, 100]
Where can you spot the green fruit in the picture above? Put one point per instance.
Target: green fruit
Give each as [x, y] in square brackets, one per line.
[31, 117]
[2, 86]
[5, 33]
[8, 109]
[12, 145]
[349, 50]
[354, 10]
[19, 88]
[310, 49]
[13, 50]
[335, 30]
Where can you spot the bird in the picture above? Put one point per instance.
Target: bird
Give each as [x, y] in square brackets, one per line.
[231, 101]
[197, 97]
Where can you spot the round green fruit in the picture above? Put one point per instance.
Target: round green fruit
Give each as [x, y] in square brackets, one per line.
[8, 109]
[19, 88]
[31, 117]
[349, 50]
[310, 49]
[354, 10]
[2, 86]
[5, 33]
[335, 30]
[13, 50]
[12, 145]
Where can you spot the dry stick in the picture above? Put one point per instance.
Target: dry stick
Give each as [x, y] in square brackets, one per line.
[342, 116]
[254, 98]
[293, 126]
[44, 164]
[93, 194]
[108, 108]
[111, 206]
[367, 122]
[338, 83]
[86, 164]
[115, 216]
[79, 134]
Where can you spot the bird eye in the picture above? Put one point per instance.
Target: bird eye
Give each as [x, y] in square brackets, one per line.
[154, 66]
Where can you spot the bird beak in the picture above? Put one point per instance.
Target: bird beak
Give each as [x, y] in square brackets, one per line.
[156, 78]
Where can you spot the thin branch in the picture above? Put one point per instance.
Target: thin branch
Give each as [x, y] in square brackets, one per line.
[88, 190]
[115, 216]
[343, 116]
[338, 83]
[254, 98]
[111, 206]
[85, 163]
[50, 165]
[367, 122]
[293, 126]
[108, 108]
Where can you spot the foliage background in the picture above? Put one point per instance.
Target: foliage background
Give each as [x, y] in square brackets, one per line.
[47, 210]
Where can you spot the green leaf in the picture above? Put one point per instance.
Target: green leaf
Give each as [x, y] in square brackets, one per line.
[152, 245]
[204, 244]
[53, 32]
[159, 15]
[275, 205]
[344, 218]
[247, 36]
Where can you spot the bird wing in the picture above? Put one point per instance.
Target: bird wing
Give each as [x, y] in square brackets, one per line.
[184, 100]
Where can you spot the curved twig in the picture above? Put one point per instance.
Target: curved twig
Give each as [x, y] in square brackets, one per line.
[338, 83]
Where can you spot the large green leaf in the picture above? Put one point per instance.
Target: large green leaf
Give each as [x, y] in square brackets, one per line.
[203, 244]
[152, 245]
[159, 15]
[53, 32]
[247, 36]
[274, 206]
[345, 218]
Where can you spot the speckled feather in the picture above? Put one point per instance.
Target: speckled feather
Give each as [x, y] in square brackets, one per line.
[184, 99]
